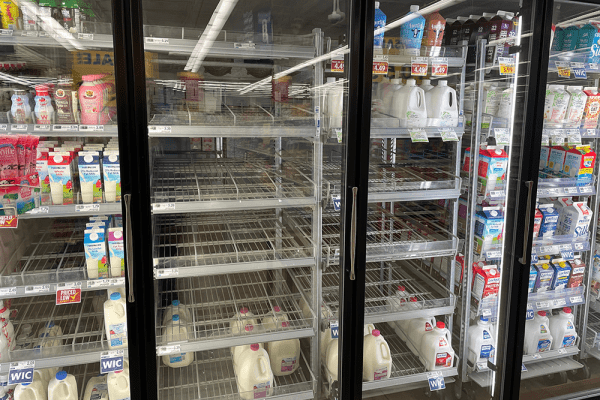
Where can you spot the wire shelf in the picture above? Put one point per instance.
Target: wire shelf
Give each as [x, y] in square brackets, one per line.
[214, 303]
[212, 376]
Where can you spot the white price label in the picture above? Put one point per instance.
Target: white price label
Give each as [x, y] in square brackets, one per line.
[159, 129]
[65, 128]
[6, 32]
[164, 350]
[29, 33]
[545, 140]
[42, 128]
[565, 247]
[418, 136]
[40, 210]
[3, 127]
[590, 132]
[87, 207]
[493, 254]
[573, 137]
[542, 305]
[86, 36]
[558, 139]
[593, 66]
[8, 291]
[497, 193]
[69, 285]
[91, 128]
[553, 192]
[338, 134]
[153, 40]
[562, 351]
[486, 312]
[502, 136]
[570, 190]
[585, 189]
[576, 300]
[448, 135]
[536, 356]
[18, 127]
[244, 45]
[163, 206]
[578, 246]
[560, 303]
[160, 273]
[481, 366]
[546, 249]
[37, 289]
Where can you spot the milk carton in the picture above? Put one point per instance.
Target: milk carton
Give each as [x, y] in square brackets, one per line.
[577, 273]
[433, 37]
[116, 251]
[436, 348]
[489, 225]
[538, 338]
[537, 222]
[571, 38]
[556, 160]
[576, 219]
[486, 282]
[377, 358]
[579, 163]
[411, 32]
[557, 40]
[254, 375]
[63, 387]
[544, 157]
[545, 275]
[532, 278]
[592, 108]
[112, 176]
[481, 342]
[95, 253]
[115, 321]
[549, 220]
[380, 20]
[90, 177]
[61, 181]
[563, 329]
[559, 105]
[562, 271]
[492, 165]
[551, 92]
[576, 106]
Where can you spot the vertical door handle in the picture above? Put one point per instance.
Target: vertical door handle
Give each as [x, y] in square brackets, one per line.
[129, 244]
[353, 234]
[529, 185]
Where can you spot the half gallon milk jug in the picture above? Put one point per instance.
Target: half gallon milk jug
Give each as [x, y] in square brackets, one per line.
[377, 359]
[240, 320]
[185, 316]
[417, 329]
[96, 387]
[537, 334]
[118, 385]
[388, 95]
[255, 378]
[481, 342]
[563, 330]
[409, 106]
[284, 356]
[442, 106]
[331, 360]
[115, 321]
[30, 391]
[63, 387]
[236, 351]
[176, 331]
[275, 319]
[403, 325]
[436, 348]
[327, 336]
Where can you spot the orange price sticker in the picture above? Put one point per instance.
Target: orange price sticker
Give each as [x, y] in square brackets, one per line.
[506, 65]
[439, 66]
[418, 66]
[337, 65]
[8, 221]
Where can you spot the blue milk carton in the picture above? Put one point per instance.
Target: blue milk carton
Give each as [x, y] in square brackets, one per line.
[549, 220]
[411, 33]
[586, 36]
[545, 274]
[557, 42]
[533, 273]
[489, 225]
[562, 271]
[571, 38]
[380, 20]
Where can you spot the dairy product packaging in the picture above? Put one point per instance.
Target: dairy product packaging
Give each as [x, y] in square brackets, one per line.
[255, 378]
[575, 220]
[481, 342]
[545, 276]
[557, 39]
[61, 181]
[537, 222]
[533, 273]
[42, 170]
[592, 108]
[562, 272]
[579, 163]
[112, 176]
[556, 159]
[544, 157]
[67, 103]
[589, 38]
[571, 38]
[577, 273]
[116, 251]
[556, 104]
[380, 20]
[176, 331]
[94, 245]
[115, 321]
[63, 387]
[492, 167]
[377, 358]
[436, 348]
[411, 33]
[563, 329]
[433, 37]
[90, 177]
[576, 106]
[486, 281]
[442, 105]
[489, 225]
[538, 338]
[549, 222]
[452, 31]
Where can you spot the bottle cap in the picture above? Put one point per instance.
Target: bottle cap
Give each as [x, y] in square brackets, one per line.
[376, 4]
[61, 375]
[175, 303]
[542, 313]
[414, 299]
[443, 83]
[285, 324]
[484, 319]
[414, 8]
[254, 347]
[248, 327]
[176, 317]
[277, 309]
[440, 324]
[401, 288]
[244, 310]
[411, 82]
[25, 384]
[115, 296]
[375, 332]
[567, 310]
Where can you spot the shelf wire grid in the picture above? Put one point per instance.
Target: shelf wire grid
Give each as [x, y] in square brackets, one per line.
[593, 331]
[210, 180]
[214, 302]
[226, 238]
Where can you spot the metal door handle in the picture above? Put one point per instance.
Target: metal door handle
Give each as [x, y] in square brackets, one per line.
[353, 234]
[529, 185]
[129, 244]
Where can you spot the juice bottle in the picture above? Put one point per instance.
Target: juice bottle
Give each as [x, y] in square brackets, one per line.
[20, 110]
[44, 112]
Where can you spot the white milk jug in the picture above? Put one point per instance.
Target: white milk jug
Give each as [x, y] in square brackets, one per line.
[39, 376]
[306, 311]
[426, 85]
[115, 321]
[176, 307]
[63, 387]
[388, 95]
[324, 343]
[48, 374]
[118, 385]
[399, 300]
[481, 341]
[409, 106]
[97, 387]
[563, 329]
[284, 356]
[236, 351]
[417, 330]
[8, 330]
[240, 320]
[401, 327]
[442, 106]
[176, 331]
[4, 348]
[368, 329]
[30, 391]
[4, 310]
[436, 348]
[49, 336]
[331, 360]
[25, 338]
[254, 375]
[335, 103]
[538, 338]
[275, 320]
[377, 359]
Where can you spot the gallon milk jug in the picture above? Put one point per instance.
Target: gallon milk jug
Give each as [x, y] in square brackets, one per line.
[30, 391]
[368, 329]
[401, 327]
[8, 330]
[442, 106]
[426, 85]
[115, 321]
[275, 320]
[25, 338]
[409, 105]
[284, 356]
[538, 338]
[176, 331]
[388, 95]
[118, 385]
[4, 348]
[96, 387]
[49, 339]
[241, 319]
[63, 387]
[399, 301]
[40, 376]
[481, 342]
[377, 359]
[436, 348]
[254, 375]
[331, 360]
[185, 316]
[306, 311]
[417, 329]
[563, 329]
[236, 351]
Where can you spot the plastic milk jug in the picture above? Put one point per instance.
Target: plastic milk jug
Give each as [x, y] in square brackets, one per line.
[115, 321]
[276, 319]
[388, 95]
[417, 329]
[284, 356]
[404, 324]
[255, 378]
[377, 359]
[236, 351]
[185, 316]
[47, 338]
[118, 385]
[426, 85]
[30, 391]
[368, 329]
[241, 319]
[563, 329]
[442, 106]
[8, 331]
[409, 106]
[63, 387]
[96, 387]
[398, 301]
[25, 338]
[331, 360]
[436, 348]
[176, 331]
[481, 341]
[537, 334]
[4, 348]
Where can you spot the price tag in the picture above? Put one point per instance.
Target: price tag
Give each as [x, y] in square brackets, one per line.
[164, 350]
[380, 65]
[29, 33]
[593, 66]
[6, 32]
[21, 372]
[87, 207]
[523, 368]
[506, 65]
[68, 293]
[536, 356]
[159, 129]
[153, 40]
[337, 202]
[565, 247]
[571, 190]
[502, 136]
[418, 66]
[111, 361]
[37, 289]
[40, 210]
[564, 70]
[9, 221]
[436, 381]
[493, 254]
[578, 246]
[578, 70]
[448, 135]
[8, 291]
[576, 300]
[337, 64]
[98, 283]
[85, 36]
[91, 128]
[559, 303]
[3, 127]
[481, 366]
[439, 66]
[562, 350]
[247, 45]
[546, 249]
[545, 140]
[163, 206]
[65, 128]
[542, 305]
[418, 136]
[558, 139]
[160, 273]
[42, 128]
[486, 312]
[334, 326]
[497, 193]
[18, 127]
[585, 189]
[553, 192]
[573, 137]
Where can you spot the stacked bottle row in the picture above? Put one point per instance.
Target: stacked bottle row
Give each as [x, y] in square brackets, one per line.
[571, 107]
[104, 249]
[543, 334]
[582, 37]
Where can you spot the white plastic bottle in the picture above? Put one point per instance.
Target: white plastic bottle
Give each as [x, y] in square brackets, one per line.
[426, 85]
[409, 106]
[401, 327]
[63, 387]
[40, 376]
[236, 351]
[185, 315]
[255, 378]
[4, 348]
[563, 329]
[49, 337]
[388, 95]
[335, 103]
[538, 338]
[240, 320]
[30, 391]
[118, 385]
[399, 300]
[377, 358]
[368, 329]
[436, 348]
[284, 356]
[115, 321]
[275, 320]
[481, 341]
[97, 387]
[417, 330]
[176, 331]
[331, 360]
[442, 106]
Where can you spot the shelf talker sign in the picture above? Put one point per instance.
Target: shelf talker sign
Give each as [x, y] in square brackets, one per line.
[111, 361]
[436, 381]
[21, 372]
[68, 293]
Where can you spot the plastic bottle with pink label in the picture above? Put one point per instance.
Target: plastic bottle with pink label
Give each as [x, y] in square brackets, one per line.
[92, 95]
[44, 112]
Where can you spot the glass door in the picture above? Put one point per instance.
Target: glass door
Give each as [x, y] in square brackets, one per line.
[62, 282]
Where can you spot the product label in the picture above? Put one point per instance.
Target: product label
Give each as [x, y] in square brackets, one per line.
[380, 373]
[176, 358]
[287, 364]
[418, 66]
[436, 381]
[21, 372]
[111, 361]
[334, 327]
[439, 66]
[568, 341]
[261, 389]
[117, 334]
[68, 293]
[443, 360]
[543, 345]
[486, 351]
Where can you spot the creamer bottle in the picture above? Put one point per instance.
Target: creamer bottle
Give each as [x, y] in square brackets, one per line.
[563, 329]
[409, 106]
[63, 387]
[176, 331]
[118, 385]
[254, 375]
[275, 320]
[284, 356]
[442, 106]
[240, 320]
[115, 321]
[377, 359]
[96, 387]
[20, 110]
[538, 338]
[44, 112]
[185, 315]
[30, 391]
[91, 100]
[417, 329]
[411, 32]
[481, 342]
[436, 348]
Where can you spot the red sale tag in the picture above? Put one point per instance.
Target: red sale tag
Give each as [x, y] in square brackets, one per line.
[68, 293]
[337, 65]
[439, 66]
[418, 66]
[8, 221]
[380, 67]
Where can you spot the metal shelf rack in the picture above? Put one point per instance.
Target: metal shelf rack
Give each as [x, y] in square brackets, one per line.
[73, 210]
[56, 130]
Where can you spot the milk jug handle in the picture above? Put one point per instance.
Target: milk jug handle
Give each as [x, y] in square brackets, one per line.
[263, 363]
[384, 350]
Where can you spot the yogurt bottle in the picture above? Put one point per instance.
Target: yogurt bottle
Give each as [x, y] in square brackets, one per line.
[176, 331]
[538, 338]
[44, 112]
[97, 388]
[115, 321]
[30, 391]
[377, 359]
[563, 329]
[118, 385]
[436, 348]
[481, 342]
[20, 110]
[91, 100]
[63, 387]
[254, 375]
[185, 315]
